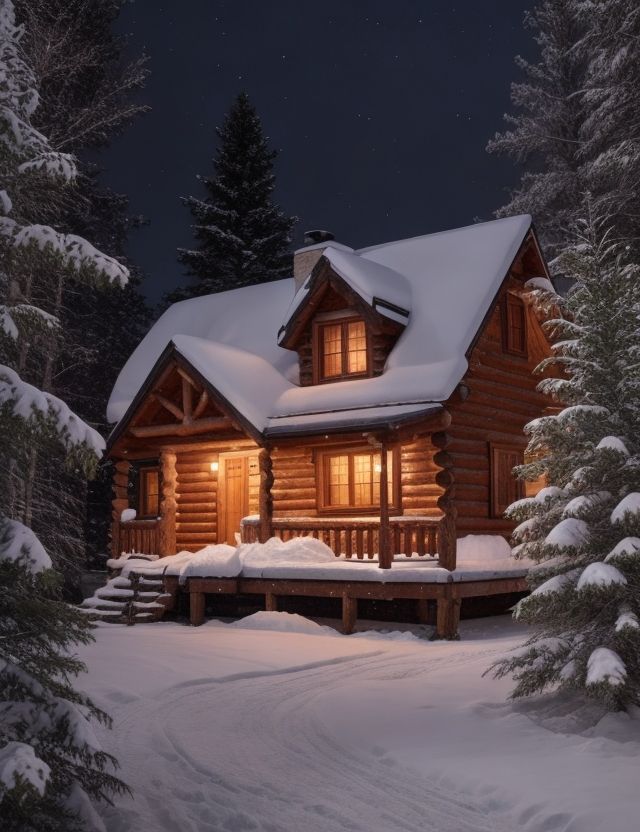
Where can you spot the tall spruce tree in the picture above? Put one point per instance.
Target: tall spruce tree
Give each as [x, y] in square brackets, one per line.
[87, 96]
[243, 237]
[52, 765]
[584, 527]
[544, 132]
[576, 126]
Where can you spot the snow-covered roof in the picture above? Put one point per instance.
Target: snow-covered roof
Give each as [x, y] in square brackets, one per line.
[379, 286]
[447, 281]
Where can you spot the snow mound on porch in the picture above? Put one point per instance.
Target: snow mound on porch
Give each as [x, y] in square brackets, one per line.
[275, 551]
[283, 622]
[215, 561]
[482, 548]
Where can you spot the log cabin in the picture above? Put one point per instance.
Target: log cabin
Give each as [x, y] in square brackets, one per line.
[375, 400]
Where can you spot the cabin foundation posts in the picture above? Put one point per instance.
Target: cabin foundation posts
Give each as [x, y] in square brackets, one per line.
[265, 498]
[167, 525]
[119, 502]
[349, 614]
[196, 608]
[448, 613]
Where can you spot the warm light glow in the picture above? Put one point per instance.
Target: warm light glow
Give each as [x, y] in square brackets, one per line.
[214, 467]
[377, 467]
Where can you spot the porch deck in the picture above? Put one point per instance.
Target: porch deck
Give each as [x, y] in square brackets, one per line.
[418, 579]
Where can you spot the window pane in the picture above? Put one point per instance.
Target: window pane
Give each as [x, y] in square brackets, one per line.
[332, 351]
[363, 479]
[150, 505]
[516, 333]
[356, 347]
[376, 478]
[338, 479]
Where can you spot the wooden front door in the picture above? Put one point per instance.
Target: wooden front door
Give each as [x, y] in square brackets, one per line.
[234, 495]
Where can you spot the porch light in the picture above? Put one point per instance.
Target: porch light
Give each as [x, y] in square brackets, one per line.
[214, 467]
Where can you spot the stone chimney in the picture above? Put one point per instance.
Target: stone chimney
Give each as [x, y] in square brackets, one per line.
[305, 258]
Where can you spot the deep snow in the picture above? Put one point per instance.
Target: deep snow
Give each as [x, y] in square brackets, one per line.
[283, 726]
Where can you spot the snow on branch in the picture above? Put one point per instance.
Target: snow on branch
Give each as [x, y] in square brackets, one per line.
[19, 763]
[19, 541]
[606, 666]
[75, 251]
[27, 402]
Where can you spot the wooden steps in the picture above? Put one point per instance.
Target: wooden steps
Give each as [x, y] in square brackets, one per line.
[129, 600]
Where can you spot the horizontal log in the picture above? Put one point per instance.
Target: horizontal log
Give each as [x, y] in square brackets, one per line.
[498, 389]
[195, 537]
[196, 476]
[471, 477]
[196, 505]
[295, 482]
[308, 494]
[191, 429]
[196, 487]
[188, 528]
[197, 517]
[294, 505]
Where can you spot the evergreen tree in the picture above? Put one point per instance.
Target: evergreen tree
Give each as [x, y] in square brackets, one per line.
[584, 527]
[51, 763]
[544, 134]
[577, 125]
[243, 238]
[610, 150]
[87, 97]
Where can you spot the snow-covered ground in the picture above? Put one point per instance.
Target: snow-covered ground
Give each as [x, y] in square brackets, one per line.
[278, 724]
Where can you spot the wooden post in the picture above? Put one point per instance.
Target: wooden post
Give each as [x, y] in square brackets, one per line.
[271, 602]
[448, 614]
[265, 499]
[119, 503]
[196, 608]
[349, 614]
[423, 610]
[167, 528]
[447, 535]
[385, 555]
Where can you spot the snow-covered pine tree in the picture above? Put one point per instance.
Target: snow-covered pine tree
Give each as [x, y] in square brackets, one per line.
[88, 95]
[544, 133]
[51, 765]
[610, 135]
[243, 237]
[584, 527]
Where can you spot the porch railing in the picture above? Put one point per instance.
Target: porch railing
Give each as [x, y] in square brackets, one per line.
[139, 536]
[355, 537]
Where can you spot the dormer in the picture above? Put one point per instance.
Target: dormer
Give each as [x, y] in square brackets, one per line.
[346, 316]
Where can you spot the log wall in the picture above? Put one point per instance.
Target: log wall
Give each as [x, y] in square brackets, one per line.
[197, 495]
[294, 482]
[420, 491]
[502, 399]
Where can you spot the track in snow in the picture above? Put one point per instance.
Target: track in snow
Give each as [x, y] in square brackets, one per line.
[252, 752]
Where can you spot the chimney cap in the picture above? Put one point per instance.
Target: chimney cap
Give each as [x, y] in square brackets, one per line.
[316, 236]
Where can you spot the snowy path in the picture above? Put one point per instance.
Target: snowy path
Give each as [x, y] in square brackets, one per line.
[249, 753]
[229, 729]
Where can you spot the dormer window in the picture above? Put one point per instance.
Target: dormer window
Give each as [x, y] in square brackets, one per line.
[340, 347]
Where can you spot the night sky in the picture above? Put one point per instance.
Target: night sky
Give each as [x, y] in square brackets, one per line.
[380, 110]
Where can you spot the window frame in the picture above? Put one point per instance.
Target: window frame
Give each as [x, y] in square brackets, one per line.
[514, 301]
[142, 495]
[495, 451]
[342, 319]
[322, 501]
